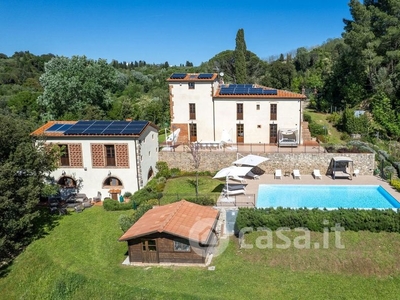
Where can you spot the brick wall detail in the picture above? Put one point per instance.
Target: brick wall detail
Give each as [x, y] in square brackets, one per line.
[98, 155]
[122, 155]
[75, 155]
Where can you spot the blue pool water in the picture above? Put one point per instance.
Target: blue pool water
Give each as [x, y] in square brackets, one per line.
[325, 196]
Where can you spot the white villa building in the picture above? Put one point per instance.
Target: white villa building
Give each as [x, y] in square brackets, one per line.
[103, 158]
[208, 111]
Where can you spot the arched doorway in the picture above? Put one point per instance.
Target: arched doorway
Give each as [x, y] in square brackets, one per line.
[114, 185]
[150, 173]
[67, 182]
[68, 187]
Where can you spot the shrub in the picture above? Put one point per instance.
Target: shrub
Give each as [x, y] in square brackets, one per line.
[396, 184]
[202, 200]
[373, 220]
[127, 194]
[316, 129]
[334, 118]
[113, 205]
[175, 172]
[307, 118]
[152, 202]
[163, 170]
[140, 212]
[344, 136]
[125, 222]
[143, 195]
[156, 184]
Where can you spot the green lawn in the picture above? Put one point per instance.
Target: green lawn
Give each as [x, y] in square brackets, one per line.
[185, 186]
[81, 259]
[332, 133]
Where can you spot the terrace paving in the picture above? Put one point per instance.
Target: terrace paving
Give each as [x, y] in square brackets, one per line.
[252, 185]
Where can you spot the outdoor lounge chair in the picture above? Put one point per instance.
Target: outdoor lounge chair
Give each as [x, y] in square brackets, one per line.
[317, 174]
[252, 175]
[237, 178]
[278, 174]
[234, 192]
[233, 187]
[356, 172]
[296, 174]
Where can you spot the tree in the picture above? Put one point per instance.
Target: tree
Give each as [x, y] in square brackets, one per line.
[387, 118]
[281, 75]
[23, 167]
[72, 84]
[196, 155]
[240, 58]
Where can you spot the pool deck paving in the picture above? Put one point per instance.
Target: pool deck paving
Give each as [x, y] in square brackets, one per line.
[253, 184]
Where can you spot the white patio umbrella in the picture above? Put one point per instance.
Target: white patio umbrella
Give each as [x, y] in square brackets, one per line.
[250, 160]
[232, 171]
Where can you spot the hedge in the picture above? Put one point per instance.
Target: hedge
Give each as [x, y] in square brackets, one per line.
[112, 205]
[374, 220]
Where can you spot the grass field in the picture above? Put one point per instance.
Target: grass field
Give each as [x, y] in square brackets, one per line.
[183, 187]
[333, 135]
[81, 259]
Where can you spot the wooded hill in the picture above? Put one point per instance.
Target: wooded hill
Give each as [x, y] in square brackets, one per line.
[360, 71]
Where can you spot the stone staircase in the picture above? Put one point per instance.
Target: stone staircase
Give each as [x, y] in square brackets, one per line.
[306, 134]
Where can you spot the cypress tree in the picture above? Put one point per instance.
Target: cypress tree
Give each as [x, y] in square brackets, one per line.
[240, 58]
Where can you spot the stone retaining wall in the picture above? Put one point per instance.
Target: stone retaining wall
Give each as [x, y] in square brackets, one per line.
[305, 162]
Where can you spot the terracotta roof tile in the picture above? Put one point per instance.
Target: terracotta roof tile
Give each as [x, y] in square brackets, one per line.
[41, 130]
[183, 219]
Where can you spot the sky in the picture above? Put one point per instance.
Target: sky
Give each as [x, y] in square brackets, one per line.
[159, 31]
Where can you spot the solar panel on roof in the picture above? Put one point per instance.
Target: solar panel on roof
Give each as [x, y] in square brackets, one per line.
[205, 76]
[54, 127]
[97, 127]
[255, 91]
[226, 91]
[135, 127]
[178, 76]
[270, 92]
[116, 127]
[79, 127]
[65, 127]
[106, 127]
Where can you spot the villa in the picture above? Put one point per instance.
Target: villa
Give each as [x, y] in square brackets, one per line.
[208, 111]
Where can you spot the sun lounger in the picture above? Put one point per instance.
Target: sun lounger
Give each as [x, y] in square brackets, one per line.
[252, 175]
[356, 172]
[233, 187]
[278, 174]
[237, 178]
[235, 192]
[296, 174]
[317, 174]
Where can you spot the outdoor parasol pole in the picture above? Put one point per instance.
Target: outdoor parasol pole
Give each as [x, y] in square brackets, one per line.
[227, 187]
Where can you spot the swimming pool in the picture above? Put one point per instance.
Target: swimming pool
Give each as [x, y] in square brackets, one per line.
[325, 196]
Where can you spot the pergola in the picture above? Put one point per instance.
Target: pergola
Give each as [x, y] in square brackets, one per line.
[341, 166]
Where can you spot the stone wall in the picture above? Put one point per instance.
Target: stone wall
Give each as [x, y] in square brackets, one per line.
[305, 162]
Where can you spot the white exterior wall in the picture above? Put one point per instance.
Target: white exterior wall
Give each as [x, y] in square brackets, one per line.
[201, 96]
[149, 157]
[288, 116]
[93, 178]
[214, 115]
